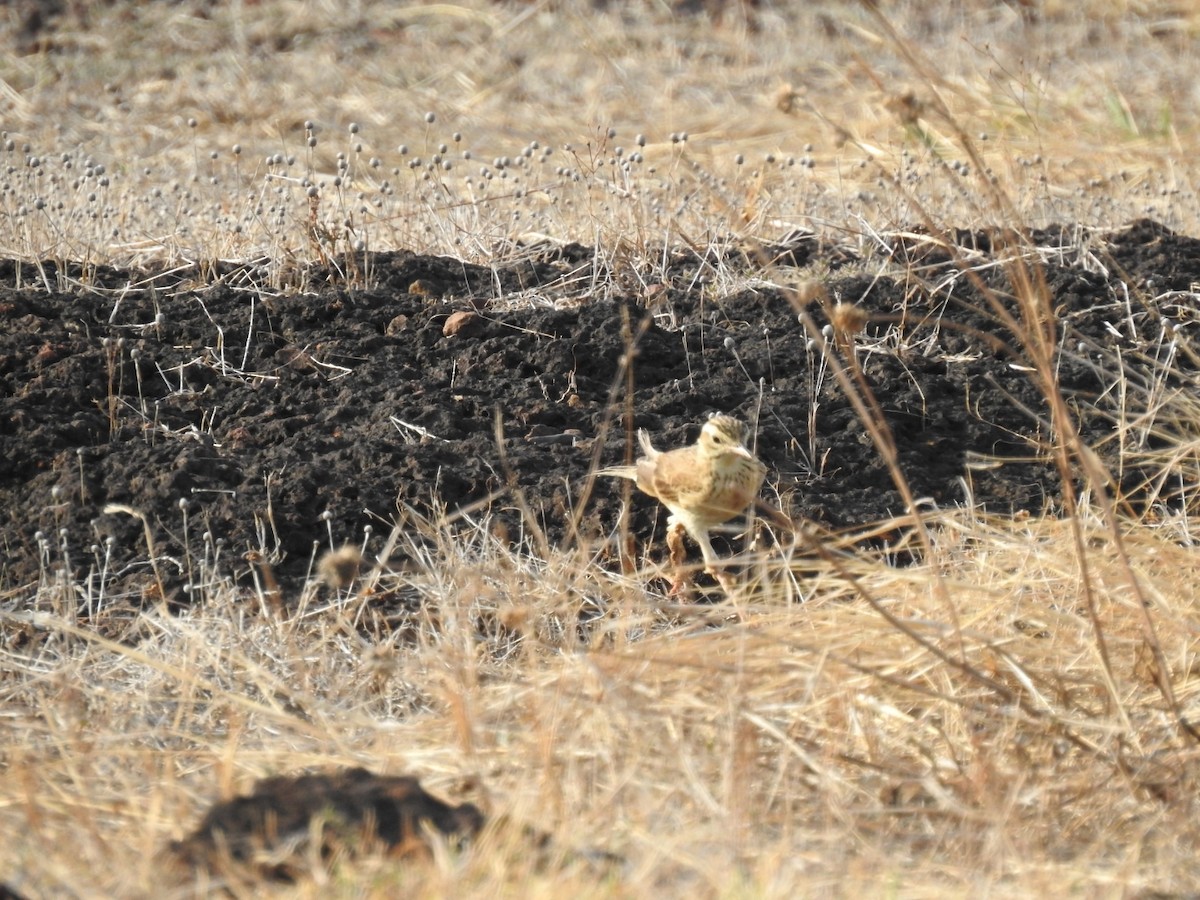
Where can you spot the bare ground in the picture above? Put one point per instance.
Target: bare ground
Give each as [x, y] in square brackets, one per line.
[240, 420]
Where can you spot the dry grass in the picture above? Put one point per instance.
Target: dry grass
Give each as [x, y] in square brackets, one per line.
[1080, 112]
[1008, 716]
[760, 748]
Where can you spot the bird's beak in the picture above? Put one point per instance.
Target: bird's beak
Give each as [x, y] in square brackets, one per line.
[742, 451]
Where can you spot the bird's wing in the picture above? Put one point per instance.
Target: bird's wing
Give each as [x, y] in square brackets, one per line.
[677, 478]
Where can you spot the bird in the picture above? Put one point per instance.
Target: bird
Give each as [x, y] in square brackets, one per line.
[703, 485]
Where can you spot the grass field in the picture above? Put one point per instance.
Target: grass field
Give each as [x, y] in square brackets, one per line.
[1011, 714]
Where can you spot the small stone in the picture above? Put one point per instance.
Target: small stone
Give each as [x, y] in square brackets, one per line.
[397, 325]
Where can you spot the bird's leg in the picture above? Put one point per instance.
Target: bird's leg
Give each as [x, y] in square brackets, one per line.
[712, 565]
[680, 583]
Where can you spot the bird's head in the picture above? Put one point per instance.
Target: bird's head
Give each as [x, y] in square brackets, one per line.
[723, 434]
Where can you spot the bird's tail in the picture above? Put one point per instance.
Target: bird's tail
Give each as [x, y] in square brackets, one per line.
[631, 472]
[647, 447]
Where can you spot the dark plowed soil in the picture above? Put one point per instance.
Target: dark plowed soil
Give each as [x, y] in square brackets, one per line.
[353, 808]
[240, 419]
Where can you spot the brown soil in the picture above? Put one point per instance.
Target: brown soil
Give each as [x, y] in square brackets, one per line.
[238, 421]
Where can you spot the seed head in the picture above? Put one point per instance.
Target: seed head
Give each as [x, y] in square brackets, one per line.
[338, 568]
[848, 319]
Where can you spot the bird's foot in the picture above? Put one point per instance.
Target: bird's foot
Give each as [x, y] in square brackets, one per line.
[727, 582]
[681, 586]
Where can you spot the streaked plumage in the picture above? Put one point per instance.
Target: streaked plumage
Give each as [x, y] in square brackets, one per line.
[703, 485]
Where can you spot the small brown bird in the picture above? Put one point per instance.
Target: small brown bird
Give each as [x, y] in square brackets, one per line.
[703, 486]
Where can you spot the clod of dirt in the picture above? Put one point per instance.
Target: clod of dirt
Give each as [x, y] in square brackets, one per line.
[268, 833]
[459, 323]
